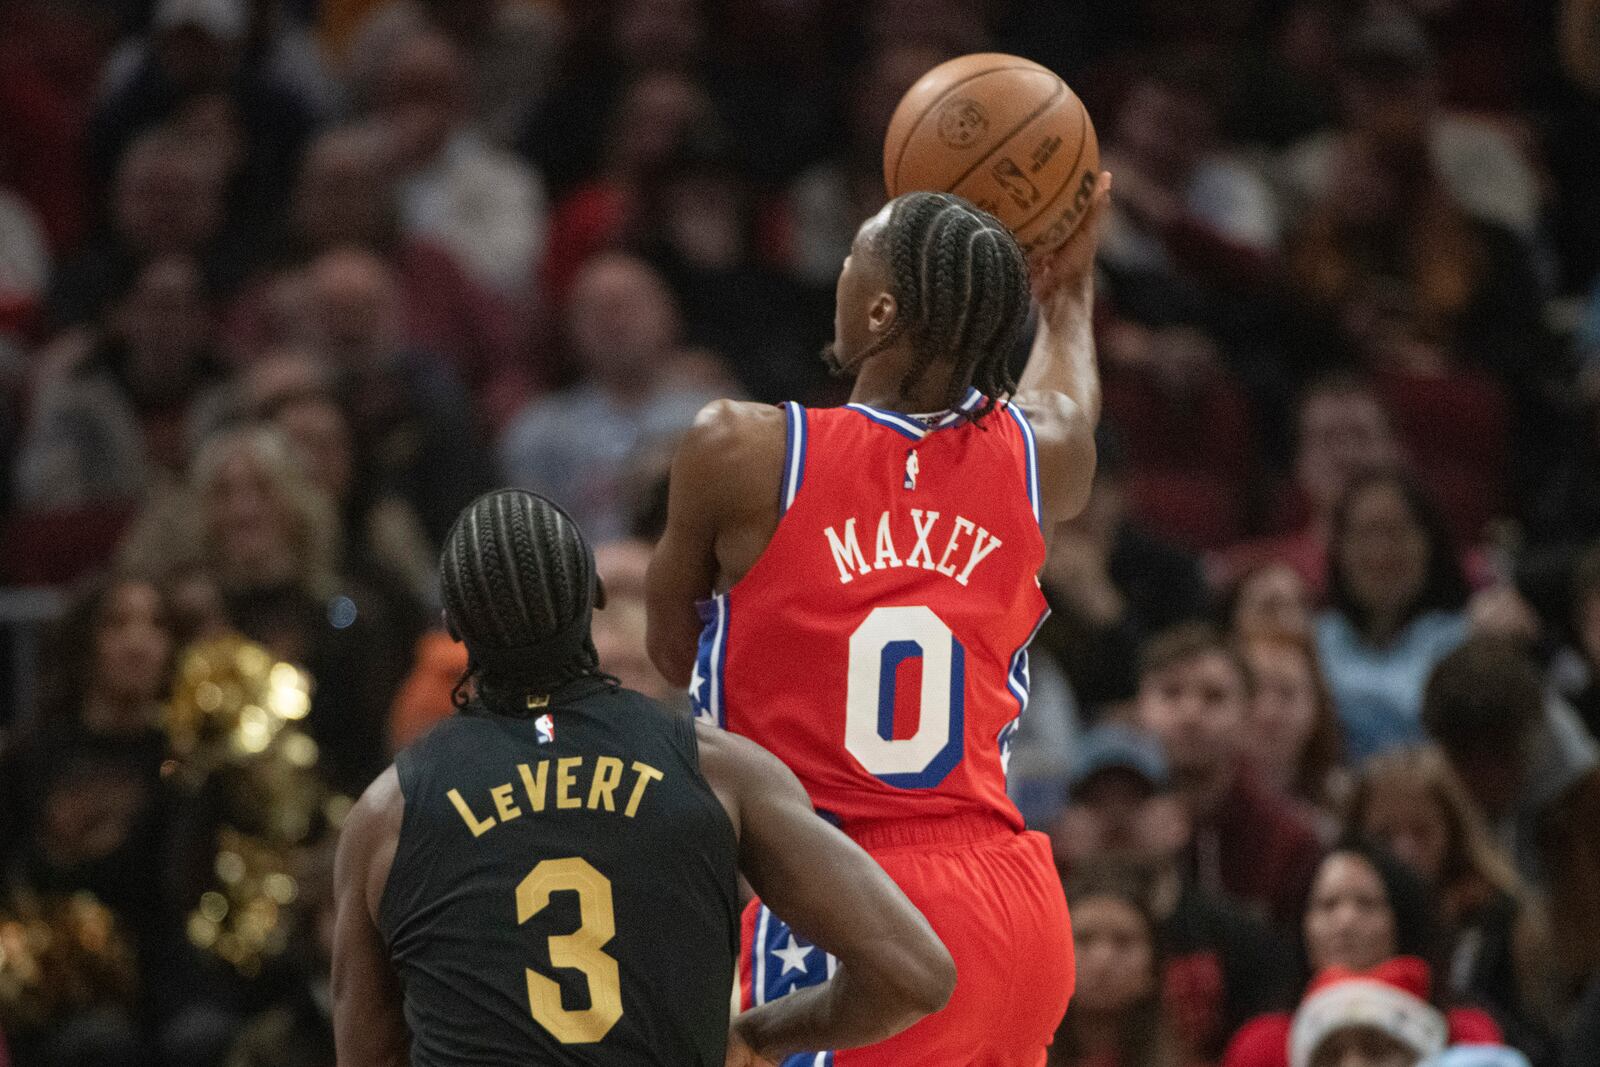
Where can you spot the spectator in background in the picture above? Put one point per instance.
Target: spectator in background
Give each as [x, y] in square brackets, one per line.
[1111, 584]
[1294, 729]
[409, 413]
[82, 804]
[1222, 966]
[1580, 665]
[346, 197]
[1116, 1018]
[120, 410]
[483, 205]
[1536, 773]
[655, 114]
[24, 266]
[1194, 696]
[577, 446]
[168, 198]
[511, 48]
[197, 51]
[385, 545]
[1498, 945]
[1343, 430]
[1365, 910]
[1380, 1017]
[1186, 212]
[1396, 600]
[1270, 598]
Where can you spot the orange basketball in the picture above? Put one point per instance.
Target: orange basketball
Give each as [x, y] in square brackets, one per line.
[1006, 134]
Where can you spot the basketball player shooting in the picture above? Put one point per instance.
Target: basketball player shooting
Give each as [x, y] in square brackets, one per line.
[855, 589]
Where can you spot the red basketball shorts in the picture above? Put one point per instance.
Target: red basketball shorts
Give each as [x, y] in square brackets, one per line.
[995, 900]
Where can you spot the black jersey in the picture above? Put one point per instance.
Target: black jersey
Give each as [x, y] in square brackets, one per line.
[564, 891]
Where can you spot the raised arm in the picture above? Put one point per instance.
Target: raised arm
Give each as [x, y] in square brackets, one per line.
[369, 1028]
[723, 493]
[892, 971]
[1060, 386]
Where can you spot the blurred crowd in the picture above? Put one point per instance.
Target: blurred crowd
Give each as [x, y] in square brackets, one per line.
[285, 283]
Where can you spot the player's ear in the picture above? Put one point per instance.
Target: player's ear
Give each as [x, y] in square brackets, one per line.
[881, 313]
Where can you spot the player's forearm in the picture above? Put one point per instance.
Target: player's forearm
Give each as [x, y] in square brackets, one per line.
[1063, 355]
[847, 1011]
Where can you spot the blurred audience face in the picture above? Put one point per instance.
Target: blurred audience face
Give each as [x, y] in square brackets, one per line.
[317, 427]
[1360, 1046]
[1115, 951]
[1163, 132]
[1283, 712]
[1343, 433]
[168, 196]
[422, 94]
[1383, 555]
[657, 111]
[132, 645]
[343, 195]
[1271, 599]
[246, 522]
[1116, 816]
[355, 308]
[1348, 921]
[1405, 816]
[1197, 707]
[621, 319]
[165, 324]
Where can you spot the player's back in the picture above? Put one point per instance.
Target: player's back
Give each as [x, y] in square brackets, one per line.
[563, 891]
[878, 646]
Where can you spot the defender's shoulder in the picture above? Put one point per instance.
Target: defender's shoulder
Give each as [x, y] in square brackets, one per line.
[722, 423]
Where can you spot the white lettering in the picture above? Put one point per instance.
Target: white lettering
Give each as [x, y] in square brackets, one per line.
[979, 553]
[951, 547]
[847, 552]
[923, 530]
[886, 557]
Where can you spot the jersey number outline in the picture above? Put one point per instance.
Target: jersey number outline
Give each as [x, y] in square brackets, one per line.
[580, 950]
[887, 637]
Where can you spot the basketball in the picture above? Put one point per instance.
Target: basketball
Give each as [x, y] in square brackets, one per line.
[1003, 132]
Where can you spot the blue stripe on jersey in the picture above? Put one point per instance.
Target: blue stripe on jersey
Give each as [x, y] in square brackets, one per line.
[794, 455]
[1033, 459]
[1020, 682]
[808, 1059]
[705, 684]
[897, 422]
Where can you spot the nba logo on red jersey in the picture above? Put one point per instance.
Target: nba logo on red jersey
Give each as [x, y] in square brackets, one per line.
[879, 644]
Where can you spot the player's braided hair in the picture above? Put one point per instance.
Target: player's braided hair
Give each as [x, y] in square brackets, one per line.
[960, 281]
[518, 583]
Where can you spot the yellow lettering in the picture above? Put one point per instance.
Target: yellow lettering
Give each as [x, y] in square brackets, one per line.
[535, 785]
[607, 776]
[476, 825]
[647, 774]
[502, 802]
[566, 778]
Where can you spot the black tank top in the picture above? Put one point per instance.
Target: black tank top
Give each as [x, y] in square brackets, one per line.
[564, 891]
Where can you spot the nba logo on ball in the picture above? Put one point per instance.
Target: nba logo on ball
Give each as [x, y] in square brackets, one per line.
[962, 122]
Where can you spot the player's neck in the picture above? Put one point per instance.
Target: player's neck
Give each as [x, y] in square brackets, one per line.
[880, 385]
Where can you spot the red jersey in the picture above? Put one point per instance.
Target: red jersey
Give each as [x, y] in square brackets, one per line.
[879, 644]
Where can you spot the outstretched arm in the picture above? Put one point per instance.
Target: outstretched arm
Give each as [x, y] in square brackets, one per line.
[1060, 387]
[368, 1026]
[893, 970]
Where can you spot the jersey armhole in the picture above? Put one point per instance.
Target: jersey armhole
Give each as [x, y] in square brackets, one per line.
[1030, 460]
[794, 455]
[405, 772]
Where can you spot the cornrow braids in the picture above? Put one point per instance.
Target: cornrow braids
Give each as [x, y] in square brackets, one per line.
[518, 583]
[960, 282]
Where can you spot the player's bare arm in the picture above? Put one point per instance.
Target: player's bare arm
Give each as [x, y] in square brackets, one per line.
[1060, 387]
[721, 511]
[893, 970]
[369, 1027]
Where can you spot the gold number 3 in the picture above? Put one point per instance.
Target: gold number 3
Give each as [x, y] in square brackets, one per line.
[579, 950]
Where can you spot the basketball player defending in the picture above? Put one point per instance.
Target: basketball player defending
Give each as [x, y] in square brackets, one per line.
[875, 578]
[549, 876]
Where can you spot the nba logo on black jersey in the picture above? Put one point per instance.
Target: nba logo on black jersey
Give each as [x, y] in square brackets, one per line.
[546, 727]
